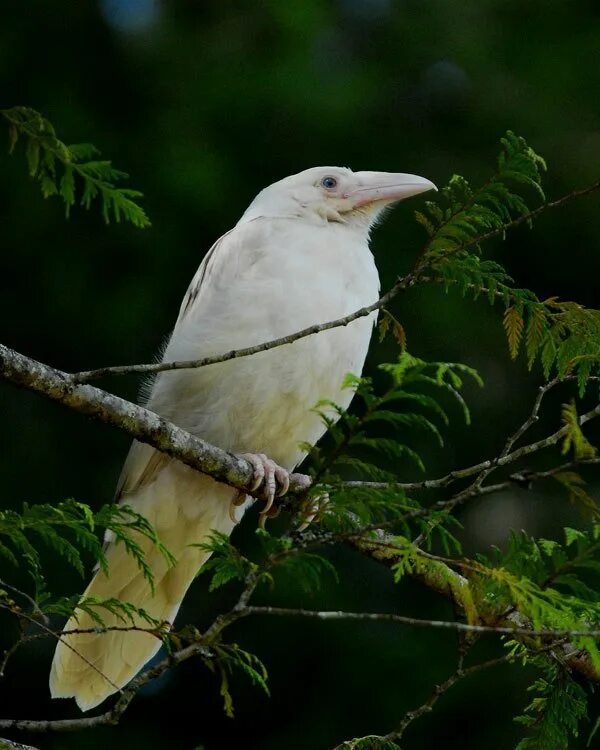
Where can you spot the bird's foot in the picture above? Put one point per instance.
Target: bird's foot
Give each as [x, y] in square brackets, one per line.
[272, 480]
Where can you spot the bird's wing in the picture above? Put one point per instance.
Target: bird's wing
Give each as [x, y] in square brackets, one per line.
[141, 466]
[201, 277]
[143, 462]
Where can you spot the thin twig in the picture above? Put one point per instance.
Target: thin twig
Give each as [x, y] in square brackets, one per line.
[32, 602]
[506, 456]
[417, 622]
[50, 632]
[439, 690]
[524, 479]
[202, 647]
[401, 284]
[427, 707]
[526, 218]
[84, 377]
[438, 576]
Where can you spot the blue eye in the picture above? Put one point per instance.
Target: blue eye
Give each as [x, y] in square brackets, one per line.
[329, 183]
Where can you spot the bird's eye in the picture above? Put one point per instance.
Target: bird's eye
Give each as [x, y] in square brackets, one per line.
[329, 183]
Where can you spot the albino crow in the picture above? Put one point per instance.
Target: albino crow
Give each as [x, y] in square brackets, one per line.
[298, 256]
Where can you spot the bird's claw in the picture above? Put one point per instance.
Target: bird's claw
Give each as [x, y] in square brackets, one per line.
[238, 499]
[272, 479]
[312, 508]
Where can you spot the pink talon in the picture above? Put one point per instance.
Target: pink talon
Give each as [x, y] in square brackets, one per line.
[272, 478]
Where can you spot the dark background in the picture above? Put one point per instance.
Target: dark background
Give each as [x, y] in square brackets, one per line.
[205, 103]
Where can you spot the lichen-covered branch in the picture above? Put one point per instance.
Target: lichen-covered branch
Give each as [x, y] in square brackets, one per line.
[440, 577]
[10, 745]
[140, 423]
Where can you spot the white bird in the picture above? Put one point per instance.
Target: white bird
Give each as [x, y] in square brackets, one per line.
[298, 256]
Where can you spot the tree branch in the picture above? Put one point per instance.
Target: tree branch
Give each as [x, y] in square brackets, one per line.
[139, 423]
[200, 647]
[506, 456]
[442, 578]
[439, 690]
[9, 745]
[463, 627]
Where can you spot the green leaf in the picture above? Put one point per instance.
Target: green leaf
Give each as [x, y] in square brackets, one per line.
[574, 437]
[513, 325]
[96, 178]
[553, 715]
[226, 562]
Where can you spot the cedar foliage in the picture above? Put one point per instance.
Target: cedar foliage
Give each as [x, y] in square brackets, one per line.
[64, 170]
[550, 583]
[563, 336]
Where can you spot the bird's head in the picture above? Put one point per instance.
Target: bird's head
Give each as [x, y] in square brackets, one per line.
[335, 194]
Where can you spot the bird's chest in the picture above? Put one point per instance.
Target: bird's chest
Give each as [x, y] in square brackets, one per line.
[264, 402]
[276, 412]
[280, 408]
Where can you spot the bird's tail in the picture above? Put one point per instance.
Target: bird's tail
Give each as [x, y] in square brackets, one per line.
[184, 507]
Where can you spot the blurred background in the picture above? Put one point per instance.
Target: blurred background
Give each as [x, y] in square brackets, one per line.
[205, 103]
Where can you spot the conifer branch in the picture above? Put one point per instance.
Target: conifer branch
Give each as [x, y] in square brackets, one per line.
[529, 216]
[440, 577]
[388, 741]
[45, 152]
[202, 646]
[505, 458]
[166, 437]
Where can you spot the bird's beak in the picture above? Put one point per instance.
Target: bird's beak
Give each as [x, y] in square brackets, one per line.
[387, 187]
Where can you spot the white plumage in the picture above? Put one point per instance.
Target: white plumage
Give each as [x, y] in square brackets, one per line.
[298, 256]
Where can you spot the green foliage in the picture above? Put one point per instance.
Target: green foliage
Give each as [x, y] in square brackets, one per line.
[574, 437]
[578, 495]
[307, 570]
[553, 584]
[125, 612]
[231, 657]
[359, 450]
[69, 528]
[563, 336]
[547, 560]
[56, 166]
[461, 216]
[226, 562]
[552, 718]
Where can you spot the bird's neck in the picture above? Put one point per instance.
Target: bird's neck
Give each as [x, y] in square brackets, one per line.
[359, 222]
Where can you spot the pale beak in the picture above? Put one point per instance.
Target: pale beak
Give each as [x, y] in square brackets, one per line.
[388, 187]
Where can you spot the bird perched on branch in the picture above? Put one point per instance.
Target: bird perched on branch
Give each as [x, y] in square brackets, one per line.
[298, 256]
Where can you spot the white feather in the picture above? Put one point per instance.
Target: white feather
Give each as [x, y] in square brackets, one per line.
[299, 256]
